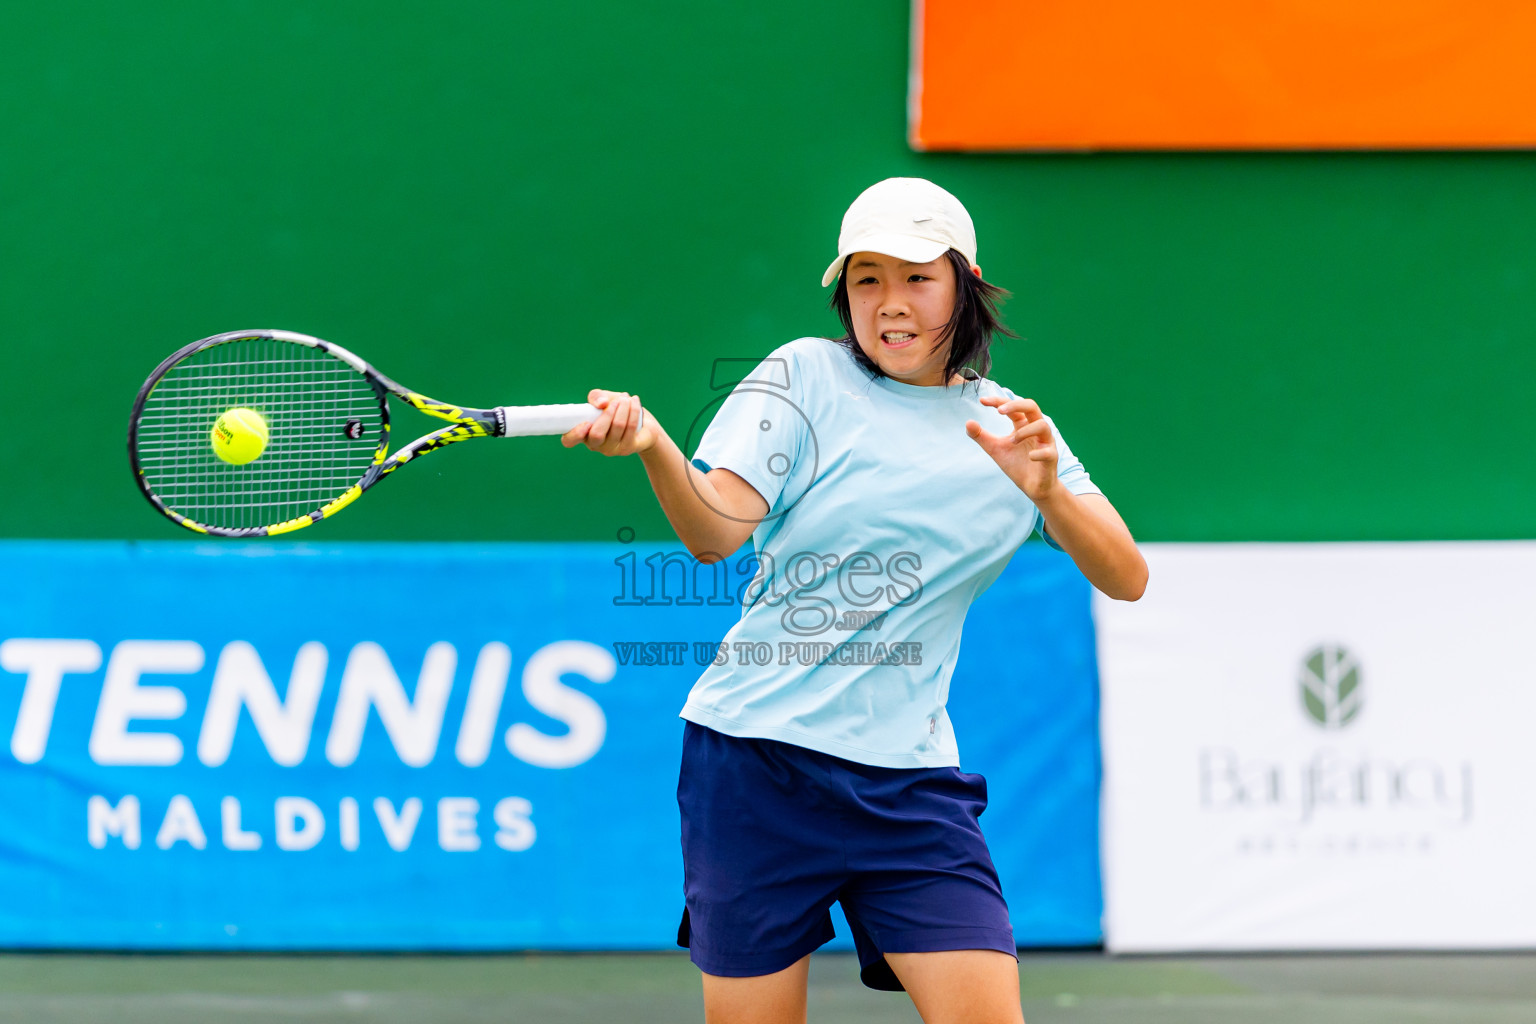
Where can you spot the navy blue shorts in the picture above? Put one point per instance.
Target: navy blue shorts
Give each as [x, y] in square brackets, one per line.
[773, 834]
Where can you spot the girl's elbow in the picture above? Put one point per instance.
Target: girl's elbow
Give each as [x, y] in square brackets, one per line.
[714, 545]
[1135, 587]
[1129, 586]
[709, 550]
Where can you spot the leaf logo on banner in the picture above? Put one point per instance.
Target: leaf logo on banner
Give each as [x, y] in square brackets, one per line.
[1330, 686]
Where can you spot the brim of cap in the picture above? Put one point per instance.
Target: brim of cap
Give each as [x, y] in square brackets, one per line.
[903, 247]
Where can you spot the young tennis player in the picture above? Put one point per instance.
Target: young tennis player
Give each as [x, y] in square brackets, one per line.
[885, 483]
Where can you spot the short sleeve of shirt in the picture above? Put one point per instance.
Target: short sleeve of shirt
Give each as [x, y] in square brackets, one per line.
[1069, 468]
[759, 431]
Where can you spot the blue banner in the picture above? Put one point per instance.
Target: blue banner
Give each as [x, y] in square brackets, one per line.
[441, 746]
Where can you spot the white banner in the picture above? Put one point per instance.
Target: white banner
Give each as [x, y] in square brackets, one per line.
[1321, 746]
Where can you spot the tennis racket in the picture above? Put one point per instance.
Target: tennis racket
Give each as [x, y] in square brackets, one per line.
[325, 415]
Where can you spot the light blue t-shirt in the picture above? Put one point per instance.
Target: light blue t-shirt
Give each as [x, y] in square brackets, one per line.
[885, 522]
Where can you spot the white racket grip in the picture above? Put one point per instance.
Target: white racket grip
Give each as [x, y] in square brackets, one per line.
[536, 420]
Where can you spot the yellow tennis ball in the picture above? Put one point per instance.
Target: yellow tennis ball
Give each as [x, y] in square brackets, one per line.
[239, 436]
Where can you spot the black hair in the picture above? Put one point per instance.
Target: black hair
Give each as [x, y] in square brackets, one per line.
[970, 329]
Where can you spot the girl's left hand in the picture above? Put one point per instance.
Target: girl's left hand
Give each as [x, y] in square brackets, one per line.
[1028, 455]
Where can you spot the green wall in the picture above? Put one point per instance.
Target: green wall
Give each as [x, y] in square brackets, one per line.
[504, 203]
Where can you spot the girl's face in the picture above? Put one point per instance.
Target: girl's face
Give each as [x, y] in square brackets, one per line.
[899, 311]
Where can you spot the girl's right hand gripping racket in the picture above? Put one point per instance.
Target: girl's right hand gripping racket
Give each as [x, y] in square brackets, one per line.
[256, 433]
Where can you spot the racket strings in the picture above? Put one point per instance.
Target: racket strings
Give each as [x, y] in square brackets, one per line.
[308, 397]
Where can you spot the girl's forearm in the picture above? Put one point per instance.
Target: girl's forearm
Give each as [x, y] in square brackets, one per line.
[1090, 530]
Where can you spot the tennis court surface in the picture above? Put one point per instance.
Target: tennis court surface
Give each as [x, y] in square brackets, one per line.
[1085, 988]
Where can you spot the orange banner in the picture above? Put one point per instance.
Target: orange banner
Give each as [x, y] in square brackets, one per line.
[1223, 74]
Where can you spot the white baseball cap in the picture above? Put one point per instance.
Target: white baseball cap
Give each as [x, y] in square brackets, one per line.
[911, 219]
